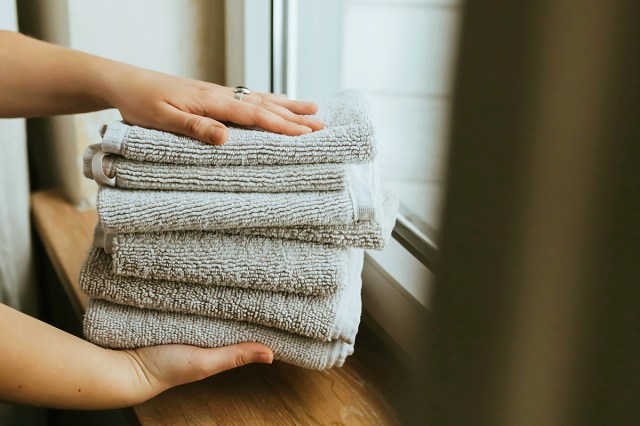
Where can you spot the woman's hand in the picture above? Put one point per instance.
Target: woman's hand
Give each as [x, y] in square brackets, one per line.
[157, 368]
[42, 79]
[197, 109]
[41, 365]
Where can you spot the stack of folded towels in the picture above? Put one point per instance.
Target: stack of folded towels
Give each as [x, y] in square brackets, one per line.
[260, 239]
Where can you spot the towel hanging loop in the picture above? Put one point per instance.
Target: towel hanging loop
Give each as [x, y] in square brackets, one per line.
[98, 171]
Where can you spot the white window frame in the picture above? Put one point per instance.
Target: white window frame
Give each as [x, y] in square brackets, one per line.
[261, 54]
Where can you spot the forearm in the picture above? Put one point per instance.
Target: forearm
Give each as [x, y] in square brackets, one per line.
[38, 78]
[41, 365]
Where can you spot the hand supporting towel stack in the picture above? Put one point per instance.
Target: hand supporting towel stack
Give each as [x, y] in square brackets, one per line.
[259, 239]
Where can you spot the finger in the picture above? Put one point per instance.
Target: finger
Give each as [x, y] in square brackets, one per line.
[215, 360]
[204, 129]
[297, 107]
[250, 114]
[313, 123]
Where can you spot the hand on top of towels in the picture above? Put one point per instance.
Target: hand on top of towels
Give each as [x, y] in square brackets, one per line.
[42, 79]
[197, 109]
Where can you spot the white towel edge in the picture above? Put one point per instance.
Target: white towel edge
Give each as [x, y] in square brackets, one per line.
[339, 353]
[342, 329]
[363, 191]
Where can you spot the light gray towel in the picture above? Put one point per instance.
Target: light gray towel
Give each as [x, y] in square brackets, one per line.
[362, 234]
[346, 138]
[366, 234]
[326, 318]
[132, 174]
[124, 327]
[122, 210]
[232, 260]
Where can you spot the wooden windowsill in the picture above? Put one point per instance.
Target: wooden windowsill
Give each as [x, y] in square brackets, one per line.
[279, 394]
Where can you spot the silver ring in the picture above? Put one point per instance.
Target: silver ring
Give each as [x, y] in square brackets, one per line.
[240, 91]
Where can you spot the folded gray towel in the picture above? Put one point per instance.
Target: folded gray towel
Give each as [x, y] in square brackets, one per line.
[331, 317]
[232, 260]
[363, 234]
[125, 327]
[132, 174]
[155, 211]
[346, 138]
[366, 234]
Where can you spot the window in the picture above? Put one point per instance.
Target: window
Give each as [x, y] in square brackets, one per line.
[401, 52]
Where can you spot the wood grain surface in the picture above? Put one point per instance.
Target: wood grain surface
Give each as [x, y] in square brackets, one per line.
[278, 394]
[66, 235]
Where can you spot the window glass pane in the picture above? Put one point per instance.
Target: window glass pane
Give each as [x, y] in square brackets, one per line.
[401, 52]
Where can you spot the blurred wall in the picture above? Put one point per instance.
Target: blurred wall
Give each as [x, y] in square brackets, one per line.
[184, 38]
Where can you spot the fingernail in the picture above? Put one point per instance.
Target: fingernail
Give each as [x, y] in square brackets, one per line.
[263, 358]
[218, 135]
[307, 129]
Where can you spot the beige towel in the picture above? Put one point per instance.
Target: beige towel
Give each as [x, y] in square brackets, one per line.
[328, 317]
[362, 234]
[124, 327]
[130, 174]
[233, 260]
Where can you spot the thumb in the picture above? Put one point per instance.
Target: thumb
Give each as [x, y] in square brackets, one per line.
[202, 128]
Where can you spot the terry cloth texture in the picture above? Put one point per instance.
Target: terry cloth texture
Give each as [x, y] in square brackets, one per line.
[121, 210]
[120, 327]
[232, 260]
[363, 234]
[132, 174]
[331, 317]
[346, 138]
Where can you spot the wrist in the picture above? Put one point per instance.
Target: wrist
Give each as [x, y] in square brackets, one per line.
[107, 80]
[138, 383]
